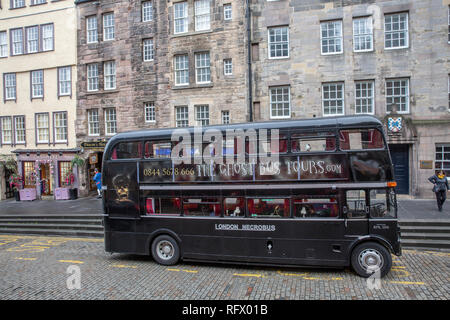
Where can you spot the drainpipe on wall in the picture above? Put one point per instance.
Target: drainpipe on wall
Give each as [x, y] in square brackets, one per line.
[249, 61]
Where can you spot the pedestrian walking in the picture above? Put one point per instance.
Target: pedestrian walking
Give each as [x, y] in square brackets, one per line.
[98, 181]
[440, 187]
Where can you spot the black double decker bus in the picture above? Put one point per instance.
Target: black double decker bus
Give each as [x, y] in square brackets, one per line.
[316, 192]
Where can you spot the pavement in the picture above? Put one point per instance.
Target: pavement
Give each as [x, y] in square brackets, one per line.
[408, 209]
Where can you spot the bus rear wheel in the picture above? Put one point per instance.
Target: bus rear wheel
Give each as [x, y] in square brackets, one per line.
[165, 250]
[370, 258]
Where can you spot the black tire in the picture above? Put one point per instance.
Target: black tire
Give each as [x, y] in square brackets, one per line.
[370, 257]
[165, 250]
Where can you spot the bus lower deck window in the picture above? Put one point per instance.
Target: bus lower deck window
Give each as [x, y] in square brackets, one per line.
[315, 208]
[268, 208]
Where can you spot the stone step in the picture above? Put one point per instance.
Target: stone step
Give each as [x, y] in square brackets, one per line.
[59, 232]
[427, 236]
[425, 229]
[423, 222]
[53, 221]
[52, 216]
[422, 243]
[47, 226]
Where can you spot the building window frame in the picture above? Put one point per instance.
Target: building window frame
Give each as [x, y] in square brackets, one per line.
[333, 97]
[60, 127]
[91, 29]
[202, 115]
[202, 15]
[278, 40]
[331, 36]
[16, 4]
[147, 11]
[110, 121]
[280, 102]
[393, 93]
[6, 125]
[92, 77]
[442, 157]
[37, 84]
[9, 87]
[202, 67]
[227, 12]
[32, 39]
[181, 68]
[181, 17]
[108, 26]
[148, 49]
[64, 81]
[42, 128]
[19, 130]
[228, 67]
[365, 97]
[93, 123]
[109, 69]
[389, 32]
[181, 116]
[48, 37]
[3, 44]
[363, 34]
[149, 112]
[16, 41]
[225, 117]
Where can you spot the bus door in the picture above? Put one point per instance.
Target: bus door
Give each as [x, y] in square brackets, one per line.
[356, 213]
[121, 181]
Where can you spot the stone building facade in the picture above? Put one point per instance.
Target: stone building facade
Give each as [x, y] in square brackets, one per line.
[152, 64]
[38, 93]
[388, 58]
[185, 62]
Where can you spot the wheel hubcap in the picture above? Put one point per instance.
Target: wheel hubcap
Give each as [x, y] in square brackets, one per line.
[165, 250]
[371, 260]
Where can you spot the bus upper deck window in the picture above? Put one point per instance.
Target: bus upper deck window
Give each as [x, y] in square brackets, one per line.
[361, 139]
[160, 149]
[127, 150]
[299, 143]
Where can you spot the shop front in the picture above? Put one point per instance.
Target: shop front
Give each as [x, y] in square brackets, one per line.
[92, 153]
[47, 174]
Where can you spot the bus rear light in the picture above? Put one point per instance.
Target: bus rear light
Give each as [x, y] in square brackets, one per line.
[392, 184]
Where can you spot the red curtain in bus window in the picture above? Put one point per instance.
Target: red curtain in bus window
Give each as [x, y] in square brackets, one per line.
[217, 210]
[330, 144]
[251, 206]
[140, 149]
[344, 141]
[147, 153]
[375, 139]
[286, 211]
[282, 146]
[114, 154]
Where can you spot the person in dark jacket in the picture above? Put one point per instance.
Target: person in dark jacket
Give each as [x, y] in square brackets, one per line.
[440, 187]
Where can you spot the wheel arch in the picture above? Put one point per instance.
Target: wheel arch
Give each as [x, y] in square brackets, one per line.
[370, 238]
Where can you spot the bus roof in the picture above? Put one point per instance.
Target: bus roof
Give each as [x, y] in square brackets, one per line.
[355, 121]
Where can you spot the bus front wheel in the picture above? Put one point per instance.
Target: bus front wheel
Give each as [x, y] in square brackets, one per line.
[371, 258]
[165, 250]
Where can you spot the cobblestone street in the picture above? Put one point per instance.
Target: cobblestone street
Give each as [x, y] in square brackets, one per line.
[33, 267]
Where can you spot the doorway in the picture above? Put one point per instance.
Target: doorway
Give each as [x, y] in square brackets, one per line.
[46, 180]
[400, 160]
